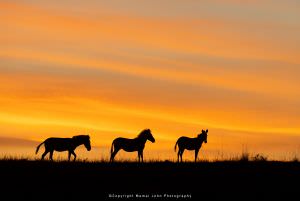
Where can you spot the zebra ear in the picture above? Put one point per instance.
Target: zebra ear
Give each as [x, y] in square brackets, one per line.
[206, 130]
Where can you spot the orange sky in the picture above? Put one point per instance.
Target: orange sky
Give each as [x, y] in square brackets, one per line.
[110, 68]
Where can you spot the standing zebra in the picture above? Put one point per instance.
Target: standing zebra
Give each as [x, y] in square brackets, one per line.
[131, 145]
[190, 144]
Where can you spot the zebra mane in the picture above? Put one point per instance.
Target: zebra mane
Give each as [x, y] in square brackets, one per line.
[143, 133]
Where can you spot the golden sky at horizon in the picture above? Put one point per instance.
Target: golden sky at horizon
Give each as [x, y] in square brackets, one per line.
[113, 68]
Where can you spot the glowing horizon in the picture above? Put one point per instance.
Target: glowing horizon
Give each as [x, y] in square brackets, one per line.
[113, 69]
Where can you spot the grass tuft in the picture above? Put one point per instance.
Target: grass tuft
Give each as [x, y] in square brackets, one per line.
[260, 158]
[245, 157]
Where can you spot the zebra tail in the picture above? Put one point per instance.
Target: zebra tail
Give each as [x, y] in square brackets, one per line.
[38, 147]
[176, 145]
[112, 147]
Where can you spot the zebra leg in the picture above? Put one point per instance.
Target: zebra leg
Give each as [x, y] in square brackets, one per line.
[72, 152]
[51, 155]
[181, 153]
[113, 154]
[44, 154]
[178, 155]
[140, 155]
[196, 154]
[69, 156]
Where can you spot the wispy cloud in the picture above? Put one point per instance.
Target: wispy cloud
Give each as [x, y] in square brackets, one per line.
[10, 141]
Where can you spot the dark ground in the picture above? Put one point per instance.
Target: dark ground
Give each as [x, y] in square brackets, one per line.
[36, 180]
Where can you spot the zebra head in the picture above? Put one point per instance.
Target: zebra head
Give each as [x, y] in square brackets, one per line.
[87, 143]
[150, 136]
[203, 135]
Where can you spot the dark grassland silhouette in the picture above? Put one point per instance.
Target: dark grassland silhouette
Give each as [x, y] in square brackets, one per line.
[131, 145]
[244, 178]
[64, 144]
[191, 144]
[95, 180]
